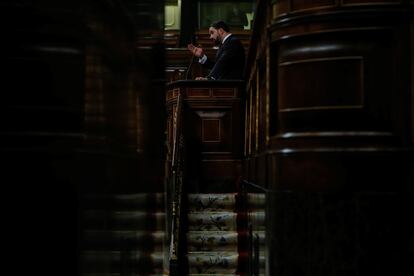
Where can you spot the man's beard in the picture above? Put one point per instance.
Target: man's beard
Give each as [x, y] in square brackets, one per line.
[217, 41]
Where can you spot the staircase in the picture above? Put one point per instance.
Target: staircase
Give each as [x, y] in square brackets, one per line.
[123, 234]
[218, 233]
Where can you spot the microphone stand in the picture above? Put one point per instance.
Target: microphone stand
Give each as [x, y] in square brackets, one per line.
[189, 67]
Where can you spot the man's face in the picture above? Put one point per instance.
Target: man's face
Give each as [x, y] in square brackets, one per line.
[215, 35]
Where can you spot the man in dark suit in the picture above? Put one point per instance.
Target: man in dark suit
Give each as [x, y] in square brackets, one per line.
[230, 57]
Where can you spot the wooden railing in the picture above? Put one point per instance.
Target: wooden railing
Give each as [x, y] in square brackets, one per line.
[175, 193]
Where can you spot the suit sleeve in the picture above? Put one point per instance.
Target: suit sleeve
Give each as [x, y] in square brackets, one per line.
[224, 61]
[209, 64]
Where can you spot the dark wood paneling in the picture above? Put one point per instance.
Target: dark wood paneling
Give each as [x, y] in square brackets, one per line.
[370, 2]
[342, 86]
[336, 84]
[341, 126]
[281, 7]
[303, 5]
[325, 234]
[213, 132]
[212, 127]
[341, 170]
[224, 92]
[198, 92]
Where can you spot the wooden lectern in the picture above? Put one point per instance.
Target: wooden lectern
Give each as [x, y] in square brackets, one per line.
[212, 125]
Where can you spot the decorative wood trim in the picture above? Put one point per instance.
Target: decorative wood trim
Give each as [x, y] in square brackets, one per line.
[293, 12]
[246, 138]
[256, 115]
[275, 11]
[274, 37]
[412, 80]
[336, 150]
[357, 105]
[250, 120]
[224, 92]
[198, 92]
[318, 134]
[333, 107]
[176, 92]
[379, 3]
[267, 101]
[203, 138]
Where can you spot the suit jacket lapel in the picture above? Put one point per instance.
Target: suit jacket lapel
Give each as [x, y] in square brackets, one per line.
[220, 49]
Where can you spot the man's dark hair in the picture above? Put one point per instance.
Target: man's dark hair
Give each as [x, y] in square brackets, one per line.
[220, 24]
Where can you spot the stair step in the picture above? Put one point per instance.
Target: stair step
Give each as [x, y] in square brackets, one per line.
[217, 237]
[211, 202]
[123, 220]
[214, 262]
[115, 240]
[212, 221]
[212, 240]
[140, 201]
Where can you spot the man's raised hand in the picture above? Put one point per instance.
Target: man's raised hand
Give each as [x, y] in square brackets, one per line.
[197, 51]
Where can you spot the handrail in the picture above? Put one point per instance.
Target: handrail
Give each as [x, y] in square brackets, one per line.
[176, 132]
[176, 177]
[244, 183]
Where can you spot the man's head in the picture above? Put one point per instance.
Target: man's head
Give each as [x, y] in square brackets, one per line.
[218, 31]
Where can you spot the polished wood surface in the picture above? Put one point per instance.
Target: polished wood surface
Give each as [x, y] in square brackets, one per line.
[334, 78]
[213, 131]
[329, 129]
